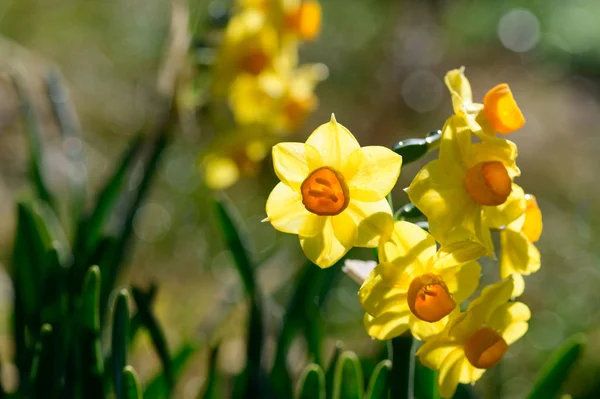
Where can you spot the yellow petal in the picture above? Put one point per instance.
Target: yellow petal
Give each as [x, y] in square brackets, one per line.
[519, 286]
[313, 157]
[434, 351]
[334, 142]
[495, 149]
[323, 249]
[376, 175]
[220, 172]
[460, 89]
[481, 309]
[386, 326]
[423, 330]
[453, 215]
[455, 147]
[511, 209]
[285, 210]
[371, 219]
[378, 295]
[450, 372]
[462, 281]
[457, 254]
[345, 229]
[532, 226]
[518, 254]
[470, 373]
[408, 245]
[290, 163]
[510, 320]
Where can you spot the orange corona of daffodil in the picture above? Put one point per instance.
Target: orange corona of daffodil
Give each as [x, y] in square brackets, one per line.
[477, 339]
[469, 188]
[303, 18]
[498, 113]
[414, 286]
[519, 256]
[332, 192]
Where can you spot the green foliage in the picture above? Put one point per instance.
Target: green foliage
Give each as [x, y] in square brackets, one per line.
[412, 150]
[379, 383]
[311, 384]
[131, 388]
[557, 368]
[348, 382]
[120, 339]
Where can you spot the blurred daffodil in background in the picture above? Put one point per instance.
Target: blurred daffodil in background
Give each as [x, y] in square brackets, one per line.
[332, 192]
[257, 76]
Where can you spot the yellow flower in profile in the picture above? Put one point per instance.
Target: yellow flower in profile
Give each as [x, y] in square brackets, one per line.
[477, 339]
[498, 113]
[518, 255]
[332, 192]
[469, 188]
[415, 286]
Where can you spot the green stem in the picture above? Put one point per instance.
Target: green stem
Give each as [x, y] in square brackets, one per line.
[403, 367]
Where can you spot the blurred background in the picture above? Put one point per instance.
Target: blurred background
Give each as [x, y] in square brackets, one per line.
[386, 60]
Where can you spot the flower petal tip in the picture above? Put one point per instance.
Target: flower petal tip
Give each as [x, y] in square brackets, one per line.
[265, 220]
[333, 118]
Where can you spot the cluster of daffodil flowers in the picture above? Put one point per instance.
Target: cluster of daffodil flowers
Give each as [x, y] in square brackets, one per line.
[333, 192]
[257, 74]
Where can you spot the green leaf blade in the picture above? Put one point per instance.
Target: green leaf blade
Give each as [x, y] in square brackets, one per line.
[556, 370]
[131, 388]
[311, 384]
[379, 383]
[348, 381]
[120, 339]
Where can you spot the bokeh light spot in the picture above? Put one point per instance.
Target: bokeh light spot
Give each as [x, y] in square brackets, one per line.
[422, 91]
[519, 30]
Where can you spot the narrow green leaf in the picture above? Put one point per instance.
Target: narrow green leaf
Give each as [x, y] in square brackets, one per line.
[556, 370]
[348, 382]
[311, 384]
[120, 338]
[43, 378]
[330, 374]
[379, 383]
[131, 388]
[136, 323]
[148, 320]
[121, 247]
[412, 150]
[425, 382]
[91, 350]
[72, 145]
[403, 367]
[90, 231]
[303, 313]
[255, 385]
[33, 130]
[210, 389]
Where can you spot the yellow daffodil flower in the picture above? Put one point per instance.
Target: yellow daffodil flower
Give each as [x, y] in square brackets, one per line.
[519, 256]
[250, 45]
[498, 113]
[281, 99]
[414, 286]
[233, 156]
[477, 339]
[469, 188]
[332, 192]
